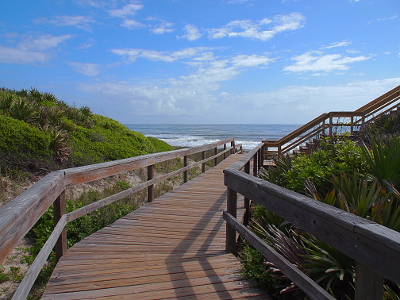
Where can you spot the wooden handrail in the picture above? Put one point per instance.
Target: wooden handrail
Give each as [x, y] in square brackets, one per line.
[19, 215]
[380, 101]
[375, 248]
[313, 129]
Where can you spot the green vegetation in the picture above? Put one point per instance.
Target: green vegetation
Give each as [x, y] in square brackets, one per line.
[39, 133]
[359, 177]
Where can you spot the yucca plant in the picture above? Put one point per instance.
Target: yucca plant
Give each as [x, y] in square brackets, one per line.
[383, 160]
[357, 195]
[23, 110]
[328, 267]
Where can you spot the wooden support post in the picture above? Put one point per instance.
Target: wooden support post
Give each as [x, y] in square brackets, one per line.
[279, 150]
[215, 159]
[185, 174]
[150, 189]
[224, 152]
[330, 125]
[260, 159]
[230, 245]
[59, 210]
[246, 217]
[203, 165]
[233, 147]
[369, 284]
[351, 127]
[255, 163]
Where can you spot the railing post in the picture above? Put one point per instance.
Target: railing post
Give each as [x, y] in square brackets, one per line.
[351, 122]
[255, 163]
[369, 284]
[59, 210]
[203, 165]
[233, 147]
[185, 173]
[230, 245]
[246, 217]
[215, 159]
[224, 150]
[150, 189]
[260, 159]
[330, 125]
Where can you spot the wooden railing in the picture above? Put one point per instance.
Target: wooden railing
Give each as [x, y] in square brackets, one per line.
[375, 248]
[19, 215]
[333, 123]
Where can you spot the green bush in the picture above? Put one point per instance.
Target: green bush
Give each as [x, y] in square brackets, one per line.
[335, 157]
[107, 140]
[22, 141]
[159, 145]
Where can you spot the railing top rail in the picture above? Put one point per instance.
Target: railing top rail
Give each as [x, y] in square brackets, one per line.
[395, 92]
[304, 128]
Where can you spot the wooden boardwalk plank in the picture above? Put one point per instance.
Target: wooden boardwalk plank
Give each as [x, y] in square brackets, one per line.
[172, 248]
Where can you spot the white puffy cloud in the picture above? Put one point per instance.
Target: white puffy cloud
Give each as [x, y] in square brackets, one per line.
[87, 69]
[168, 56]
[315, 61]
[31, 50]
[18, 56]
[338, 44]
[82, 22]
[251, 29]
[127, 10]
[164, 27]
[132, 24]
[42, 42]
[192, 33]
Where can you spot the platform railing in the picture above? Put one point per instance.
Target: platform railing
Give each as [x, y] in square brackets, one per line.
[19, 215]
[375, 248]
[334, 123]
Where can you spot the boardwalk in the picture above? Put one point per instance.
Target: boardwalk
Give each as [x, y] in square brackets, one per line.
[170, 248]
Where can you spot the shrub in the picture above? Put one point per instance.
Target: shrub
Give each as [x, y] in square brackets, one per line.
[335, 157]
[22, 146]
[159, 145]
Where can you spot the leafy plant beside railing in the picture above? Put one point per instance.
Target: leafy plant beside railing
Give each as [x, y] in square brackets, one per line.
[351, 177]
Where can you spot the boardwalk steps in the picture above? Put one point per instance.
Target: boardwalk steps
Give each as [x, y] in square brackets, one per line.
[170, 248]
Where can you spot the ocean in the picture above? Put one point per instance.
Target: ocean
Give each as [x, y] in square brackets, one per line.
[179, 135]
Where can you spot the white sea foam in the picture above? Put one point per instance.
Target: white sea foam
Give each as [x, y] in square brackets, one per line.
[196, 135]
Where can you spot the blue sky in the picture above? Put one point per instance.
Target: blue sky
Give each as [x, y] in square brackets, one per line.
[203, 61]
